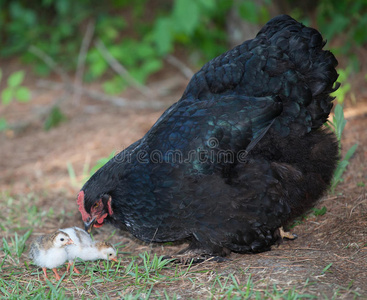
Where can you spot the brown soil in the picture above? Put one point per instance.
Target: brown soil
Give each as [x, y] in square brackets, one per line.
[35, 161]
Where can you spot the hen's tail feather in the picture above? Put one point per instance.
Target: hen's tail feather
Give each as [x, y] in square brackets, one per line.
[303, 45]
[284, 60]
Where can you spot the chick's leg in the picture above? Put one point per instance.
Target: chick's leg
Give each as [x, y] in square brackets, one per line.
[68, 267]
[74, 268]
[57, 276]
[45, 272]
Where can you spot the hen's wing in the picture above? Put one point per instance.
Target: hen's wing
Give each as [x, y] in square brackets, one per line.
[199, 131]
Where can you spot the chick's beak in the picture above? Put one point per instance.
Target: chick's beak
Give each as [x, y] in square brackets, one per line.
[70, 242]
[114, 259]
[89, 224]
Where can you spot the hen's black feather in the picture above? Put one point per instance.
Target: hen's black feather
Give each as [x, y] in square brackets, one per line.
[239, 155]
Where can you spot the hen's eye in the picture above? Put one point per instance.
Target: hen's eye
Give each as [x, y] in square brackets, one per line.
[62, 239]
[96, 205]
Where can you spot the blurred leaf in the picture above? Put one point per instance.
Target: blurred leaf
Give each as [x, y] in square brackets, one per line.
[341, 92]
[319, 211]
[339, 121]
[22, 94]
[360, 34]
[111, 32]
[101, 162]
[54, 118]
[185, 15]
[248, 10]
[208, 4]
[338, 125]
[350, 152]
[265, 14]
[6, 96]
[345, 87]
[108, 27]
[3, 124]
[97, 65]
[72, 176]
[162, 35]
[337, 178]
[47, 2]
[147, 67]
[1, 75]
[16, 79]
[339, 171]
[42, 69]
[65, 29]
[24, 16]
[145, 50]
[151, 66]
[114, 86]
[344, 74]
[62, 6]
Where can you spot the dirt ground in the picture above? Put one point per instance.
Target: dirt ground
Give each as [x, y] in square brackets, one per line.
[330, 252]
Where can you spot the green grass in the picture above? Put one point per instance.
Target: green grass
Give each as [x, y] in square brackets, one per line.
[337, 125]
[142, 276]
[87, 172]
[14, 211]
[133, 277]
[136, 277]
[16, 247]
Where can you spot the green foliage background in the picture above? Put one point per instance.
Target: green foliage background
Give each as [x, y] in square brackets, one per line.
[139, 34]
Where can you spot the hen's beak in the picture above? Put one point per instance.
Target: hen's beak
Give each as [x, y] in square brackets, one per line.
[89, 225]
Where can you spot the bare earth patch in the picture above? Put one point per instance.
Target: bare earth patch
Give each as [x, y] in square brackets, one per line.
[329, 258]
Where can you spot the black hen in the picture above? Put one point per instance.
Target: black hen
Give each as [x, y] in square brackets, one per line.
[240, 155]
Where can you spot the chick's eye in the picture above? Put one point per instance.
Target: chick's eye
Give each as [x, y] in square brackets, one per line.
[62, 239]
[110, 254]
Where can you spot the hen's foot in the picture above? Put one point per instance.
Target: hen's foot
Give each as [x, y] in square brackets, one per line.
[287, 235]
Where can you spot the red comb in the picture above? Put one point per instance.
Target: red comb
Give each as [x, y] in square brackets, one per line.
[80, 202]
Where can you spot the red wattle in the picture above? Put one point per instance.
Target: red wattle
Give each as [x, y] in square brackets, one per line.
[101, 218]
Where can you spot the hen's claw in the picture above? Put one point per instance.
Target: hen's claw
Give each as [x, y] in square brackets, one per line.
[287, 234]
